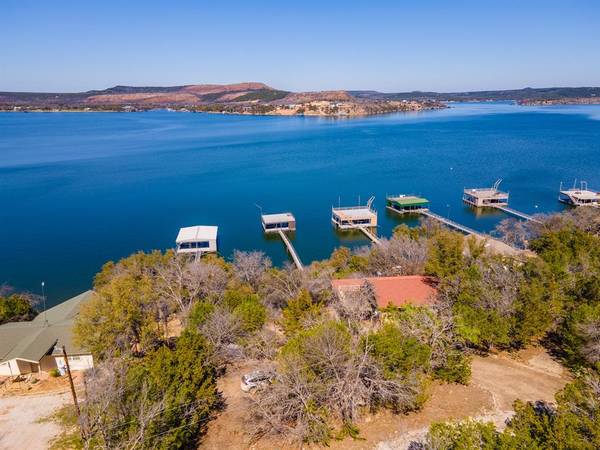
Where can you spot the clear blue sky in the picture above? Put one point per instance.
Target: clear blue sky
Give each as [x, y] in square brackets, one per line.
[60, 45]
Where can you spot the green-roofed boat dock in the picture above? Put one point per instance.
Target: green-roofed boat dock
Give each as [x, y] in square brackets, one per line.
[406, 204]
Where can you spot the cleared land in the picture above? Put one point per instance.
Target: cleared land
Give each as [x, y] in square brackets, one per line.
[497, 381]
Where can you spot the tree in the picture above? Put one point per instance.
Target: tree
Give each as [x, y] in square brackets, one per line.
[161, 401]
[326, 375]
[400, 255]
[300, 312]
[445, 256]
[16, 307]
[250, 266]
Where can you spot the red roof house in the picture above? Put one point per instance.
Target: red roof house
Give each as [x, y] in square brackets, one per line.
[397, 291]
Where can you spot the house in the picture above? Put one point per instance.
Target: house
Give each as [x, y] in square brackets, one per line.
[197, 239]
[397, 291]
[36, 346]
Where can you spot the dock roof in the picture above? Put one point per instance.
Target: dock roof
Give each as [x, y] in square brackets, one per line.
[582, 194]
[407, 200]
[354, 212]
[197, 233]
[485, 192]
[278, 218]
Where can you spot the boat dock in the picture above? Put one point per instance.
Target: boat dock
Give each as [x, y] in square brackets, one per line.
[291, 250]
[370, 235]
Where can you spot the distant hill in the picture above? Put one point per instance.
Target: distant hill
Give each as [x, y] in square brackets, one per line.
[520, 95]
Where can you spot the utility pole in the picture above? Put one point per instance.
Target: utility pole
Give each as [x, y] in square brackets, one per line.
[64, 352]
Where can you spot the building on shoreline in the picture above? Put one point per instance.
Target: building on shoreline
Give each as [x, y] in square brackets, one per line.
[36, 346]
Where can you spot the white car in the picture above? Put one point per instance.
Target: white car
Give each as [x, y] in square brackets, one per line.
[255, 379]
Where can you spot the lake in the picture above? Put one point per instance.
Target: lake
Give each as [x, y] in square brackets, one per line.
[80, 189]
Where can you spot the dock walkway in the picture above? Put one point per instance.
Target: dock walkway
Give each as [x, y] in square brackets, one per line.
[370, 235]
[291, 250]
[516, 213]
[450, 223]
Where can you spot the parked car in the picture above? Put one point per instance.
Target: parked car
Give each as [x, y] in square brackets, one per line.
[255, 379]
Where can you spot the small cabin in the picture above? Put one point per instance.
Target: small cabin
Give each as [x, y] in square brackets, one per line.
[406, 204]
[275, 222]
[348, 217]
[482, 197]
[579, 197]
[197, 239]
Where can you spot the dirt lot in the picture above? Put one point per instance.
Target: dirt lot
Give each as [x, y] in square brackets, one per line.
[20, 416]
[496, 382]
[25, 406]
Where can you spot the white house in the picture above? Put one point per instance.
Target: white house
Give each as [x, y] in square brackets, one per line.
[36, 346]
[197, 239]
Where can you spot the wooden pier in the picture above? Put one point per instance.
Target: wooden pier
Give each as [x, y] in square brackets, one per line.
[291, 250]
[450, 223]
[370, 235]
[519, 214]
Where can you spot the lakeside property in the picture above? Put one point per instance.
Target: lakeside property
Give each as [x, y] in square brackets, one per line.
[81, 189]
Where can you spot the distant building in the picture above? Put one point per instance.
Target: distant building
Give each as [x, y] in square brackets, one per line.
[396, 291]
[36, 346]
[197, 239]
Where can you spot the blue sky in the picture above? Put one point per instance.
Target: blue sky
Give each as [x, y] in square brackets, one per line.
[398, 45]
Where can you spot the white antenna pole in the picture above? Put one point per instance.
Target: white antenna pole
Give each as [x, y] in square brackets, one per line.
[44, 300]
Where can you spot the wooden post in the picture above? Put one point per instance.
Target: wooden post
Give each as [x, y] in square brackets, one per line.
[64, 352]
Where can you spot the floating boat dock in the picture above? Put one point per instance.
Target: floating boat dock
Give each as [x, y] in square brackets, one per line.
[579, 197]
[280, 223]
[406, 204]
[481, 197]
[198, 239]
[354, 217]
[493, 198]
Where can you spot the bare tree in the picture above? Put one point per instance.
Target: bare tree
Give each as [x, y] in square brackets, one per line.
[277, 287]
[400, 255]
[356, 305]
[591, 347]
[222, 329]
[250, 266]
[332, 378]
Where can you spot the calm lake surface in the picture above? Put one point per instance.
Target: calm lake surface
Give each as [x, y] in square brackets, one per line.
[77, 190]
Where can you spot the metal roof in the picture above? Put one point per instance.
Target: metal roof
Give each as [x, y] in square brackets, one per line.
[278, 218]
[30, 341]
[197, 233]
[408, 200]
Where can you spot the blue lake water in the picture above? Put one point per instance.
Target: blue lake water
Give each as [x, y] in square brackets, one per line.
[77, 190]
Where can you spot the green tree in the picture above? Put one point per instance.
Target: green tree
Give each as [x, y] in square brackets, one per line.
[16, 307]
[298, 311]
